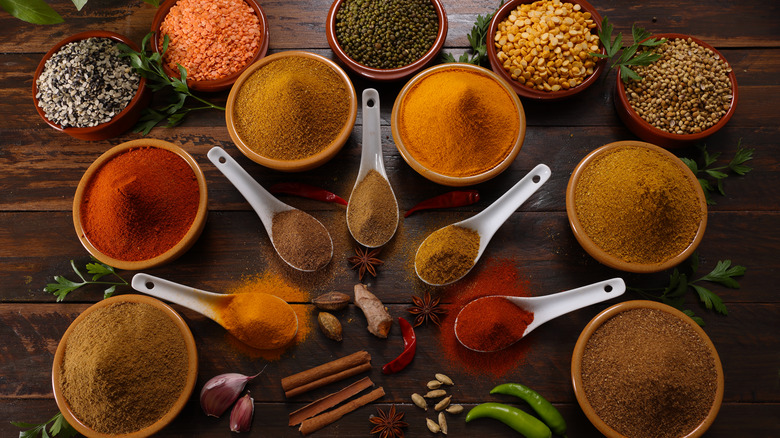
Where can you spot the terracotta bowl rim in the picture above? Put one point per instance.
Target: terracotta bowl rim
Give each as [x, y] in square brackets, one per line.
[642, 129]
[312, 161]
[613, 261]
[189, 239]
[597, 321]
[101, 131]
[448, 180]
[524, 91]
[392, 74]
[220, 84]
[178, 405]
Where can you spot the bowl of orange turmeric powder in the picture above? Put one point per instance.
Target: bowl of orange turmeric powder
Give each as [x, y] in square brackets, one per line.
[458, 124]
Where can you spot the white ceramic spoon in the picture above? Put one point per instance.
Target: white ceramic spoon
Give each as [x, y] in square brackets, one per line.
[552, 306]
[371, 154]
[264, 203]
[206, 303]
[487, 222]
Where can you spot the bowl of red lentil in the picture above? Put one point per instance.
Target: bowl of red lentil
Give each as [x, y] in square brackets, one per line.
[141, 204]
[675, 113]
[291, 111]
[214, 40]
[542, 48]
[636, 207]
[643, 369]
[409, 36]
[75, 95]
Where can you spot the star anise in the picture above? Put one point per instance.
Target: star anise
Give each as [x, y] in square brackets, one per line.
[426, 309]
[365, 260]
[388, 425]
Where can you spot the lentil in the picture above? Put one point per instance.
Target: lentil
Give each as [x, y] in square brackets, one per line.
[685, 92]
[212, 39]
[86, 83]
[386, 34]
[546, 45]
[646, 373]
[447, 254]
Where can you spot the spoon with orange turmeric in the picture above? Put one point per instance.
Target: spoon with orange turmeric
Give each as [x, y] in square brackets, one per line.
[260, 320]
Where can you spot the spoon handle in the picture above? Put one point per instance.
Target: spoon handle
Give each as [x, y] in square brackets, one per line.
[198, 300]
[371, 155]
[552, 306]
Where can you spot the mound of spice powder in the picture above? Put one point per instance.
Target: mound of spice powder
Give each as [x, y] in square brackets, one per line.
[372, 215]
[447, 254]
[648, 374]
[124, 366]
[140, 204]
[212, 39]
[301, 240]
[291, 108]
[492, 324]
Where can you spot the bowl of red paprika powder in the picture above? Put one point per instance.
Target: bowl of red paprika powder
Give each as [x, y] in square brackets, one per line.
[141, 204]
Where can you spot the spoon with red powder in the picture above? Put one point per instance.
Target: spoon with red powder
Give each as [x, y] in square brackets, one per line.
[496, 322]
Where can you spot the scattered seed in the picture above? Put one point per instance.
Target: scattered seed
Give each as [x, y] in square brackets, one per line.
[443, 403]
[432, 426]
[331, 301]
[436, 393]
[419, 401]
[434, 384]
[329, 325]
[454, 409]
[444, 379]
[442, 423]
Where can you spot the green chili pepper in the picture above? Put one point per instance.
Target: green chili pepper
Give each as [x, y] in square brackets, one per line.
[526, 424]
[539, 404]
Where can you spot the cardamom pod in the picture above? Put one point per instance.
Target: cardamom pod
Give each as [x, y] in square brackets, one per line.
[329, 325]
[436, 393]
[443, 403]
[331, 301]
[418, 400]
[432, 426]
[444, 379]
[454, 409]
[442, 423]
[434, 384]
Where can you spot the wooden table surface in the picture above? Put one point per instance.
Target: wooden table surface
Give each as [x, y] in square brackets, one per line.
[40, 168]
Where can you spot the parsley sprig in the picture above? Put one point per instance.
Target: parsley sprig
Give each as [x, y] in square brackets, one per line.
[175, 90]
[736, 165]
[59, 428]
[63, 286]
[627, 58]
[679, 284]
[478, 41]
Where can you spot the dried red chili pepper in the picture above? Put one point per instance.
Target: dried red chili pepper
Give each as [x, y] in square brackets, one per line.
[410, 347]
[306, 191]
[457, 198]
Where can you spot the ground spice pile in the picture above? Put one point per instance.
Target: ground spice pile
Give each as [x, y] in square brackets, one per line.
[372, 215]
[124, 366]
[447, 254]
[649, 375]
[492, 324]
[638, 205]
[301, 240]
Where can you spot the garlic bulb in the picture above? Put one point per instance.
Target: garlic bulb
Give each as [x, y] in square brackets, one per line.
[221, 391]
[241, 415]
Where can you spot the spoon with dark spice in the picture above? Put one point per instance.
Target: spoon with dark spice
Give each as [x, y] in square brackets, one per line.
[372, 211]
[299, 239]
[495, 322]
[449, 253]
[258, 319]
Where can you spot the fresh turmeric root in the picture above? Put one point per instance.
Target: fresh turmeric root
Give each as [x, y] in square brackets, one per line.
[379, 321]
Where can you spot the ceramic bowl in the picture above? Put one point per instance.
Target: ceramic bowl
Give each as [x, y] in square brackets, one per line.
[312, 161]
[392, 74]
[526, 92]
[174, 252]
[609, 259]
[601, 318]
[216, 84]
[448, 180]
[650, 133]
[122, 121]
[178, 405]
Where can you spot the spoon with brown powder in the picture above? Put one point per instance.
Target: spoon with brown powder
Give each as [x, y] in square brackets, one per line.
[372, 211]
[299, 239]
[258, 319]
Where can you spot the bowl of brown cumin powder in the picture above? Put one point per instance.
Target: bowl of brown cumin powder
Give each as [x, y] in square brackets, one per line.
[643, 369]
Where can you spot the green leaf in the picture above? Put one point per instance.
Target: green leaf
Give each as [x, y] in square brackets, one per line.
[724, 274]
[109, 292]
[736, 164]
[626, 74]
[691, 165]
[62, 428]
[693, 316]
[716, 174]
[694, 262]
[32, 11]
[155, 3]
[710, 300]
[652, 42]
[79, 4]
[23, 425]
[448, 57]
[639, 33]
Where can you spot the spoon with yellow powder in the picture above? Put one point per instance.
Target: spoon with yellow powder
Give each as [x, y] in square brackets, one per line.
[449, 253]
[260, 320]
[299, 239]
[372, 211]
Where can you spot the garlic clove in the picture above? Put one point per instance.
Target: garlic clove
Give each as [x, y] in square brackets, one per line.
[241, 415]
[221, 391]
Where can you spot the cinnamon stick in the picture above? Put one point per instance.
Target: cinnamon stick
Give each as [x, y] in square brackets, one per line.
[349, 372]
[316, 423]
[325, 370]
[329, 401]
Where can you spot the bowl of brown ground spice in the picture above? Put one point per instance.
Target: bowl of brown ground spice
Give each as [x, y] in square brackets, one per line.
[291, 111]
[687, 95]
[124, 368]
[643, 369]
[636, 207]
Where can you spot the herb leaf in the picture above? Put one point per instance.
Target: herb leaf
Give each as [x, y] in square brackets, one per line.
[478, 41]
[79, 4]
[32, 11]
[719, 174]
[710, 300]
[59, 428]
[63, 286]
[631, 56]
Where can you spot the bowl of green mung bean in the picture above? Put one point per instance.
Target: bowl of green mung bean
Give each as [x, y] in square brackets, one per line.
[685, 96]
[406, 36]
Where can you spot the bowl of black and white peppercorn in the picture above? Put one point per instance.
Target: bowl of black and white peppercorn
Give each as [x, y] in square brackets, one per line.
[687, 95]
[86, 89]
